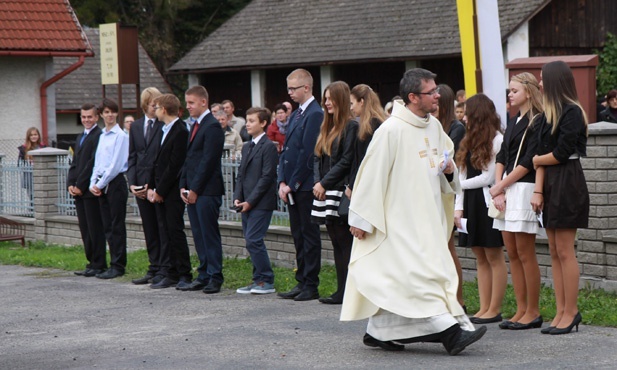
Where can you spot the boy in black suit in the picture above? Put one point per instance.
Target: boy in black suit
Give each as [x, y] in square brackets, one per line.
[163, 191]
[255, 197]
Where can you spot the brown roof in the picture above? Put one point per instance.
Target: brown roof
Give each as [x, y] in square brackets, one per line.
[40, 26]
[84, 84]
[270, 33]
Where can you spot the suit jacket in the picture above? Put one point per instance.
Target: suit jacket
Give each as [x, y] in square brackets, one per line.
[201, 172]
[333, 170]
[256, 183]
[169, 160]
[142, 153]
[296, 161]
[511, 142]
[83, 161]
[569, 138]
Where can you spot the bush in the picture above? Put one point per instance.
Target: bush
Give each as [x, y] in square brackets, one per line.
[606, 75]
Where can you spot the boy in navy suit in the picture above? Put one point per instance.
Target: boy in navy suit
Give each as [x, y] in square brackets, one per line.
[255, 197]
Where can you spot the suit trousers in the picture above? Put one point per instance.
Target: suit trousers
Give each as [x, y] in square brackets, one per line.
[255, 225]
[204, 217]
[175, 259]
[341, 240]
[92, 231]
[153, 245]
[113, 214]
[307, 240]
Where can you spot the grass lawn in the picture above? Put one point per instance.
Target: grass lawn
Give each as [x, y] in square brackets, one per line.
[597, 307]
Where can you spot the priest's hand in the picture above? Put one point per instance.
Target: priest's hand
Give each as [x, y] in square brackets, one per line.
[449, 167]
[458, 215]
[358, 233]
[319, 192]
[500, 202]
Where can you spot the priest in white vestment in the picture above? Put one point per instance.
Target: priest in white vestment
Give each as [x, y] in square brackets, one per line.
[401, 274]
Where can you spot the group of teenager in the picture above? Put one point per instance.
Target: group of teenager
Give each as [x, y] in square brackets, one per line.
[399, 211]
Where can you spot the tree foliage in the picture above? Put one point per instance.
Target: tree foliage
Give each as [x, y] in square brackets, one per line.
[606, 75]
[168, 29]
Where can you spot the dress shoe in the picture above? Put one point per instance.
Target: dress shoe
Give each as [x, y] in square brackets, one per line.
[307, 295]
[330, 300]
[81, 273]
[535, 323]
[193, 286]
[505, 324]
[110, 274]
[164, 283]
[388, 345]
[480, 320]
[157, 279]
[547, 330]
[291, 294]
[92, 272]
[146, 279]
[577, 320]
[466, 338]
[183, 284]
[213, 287]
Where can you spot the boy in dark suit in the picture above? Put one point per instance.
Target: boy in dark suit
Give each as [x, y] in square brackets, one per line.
[163, 191]
[255, 198]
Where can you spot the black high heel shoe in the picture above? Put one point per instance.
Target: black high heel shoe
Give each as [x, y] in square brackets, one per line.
[535, 323]
[577, 320]
[547, 330]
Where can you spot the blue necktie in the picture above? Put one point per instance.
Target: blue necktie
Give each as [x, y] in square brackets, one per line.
[83, 137]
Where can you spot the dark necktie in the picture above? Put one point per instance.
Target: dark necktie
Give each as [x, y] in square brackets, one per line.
[251, 146]
[148, 130]
[195, 128]
[83, 137]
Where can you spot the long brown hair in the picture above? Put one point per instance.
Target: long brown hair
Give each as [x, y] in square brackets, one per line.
[483, 123]
[371, 109]
[28, 145]
[333, 124]
[446, 107]
[559, 89]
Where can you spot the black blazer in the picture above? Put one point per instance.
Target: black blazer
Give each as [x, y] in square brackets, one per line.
[333, 171]
[168, 162]
[296, 160]
[256, 183]
[607, 116]
[201, 172]
[570, 137]
[141, 153]
[511, 142]
[360, 151]
[83, 161]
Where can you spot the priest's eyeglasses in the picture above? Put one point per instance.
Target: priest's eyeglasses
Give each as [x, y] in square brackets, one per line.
[433, 92]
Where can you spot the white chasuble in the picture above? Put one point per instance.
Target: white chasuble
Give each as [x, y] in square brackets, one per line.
[403, 265]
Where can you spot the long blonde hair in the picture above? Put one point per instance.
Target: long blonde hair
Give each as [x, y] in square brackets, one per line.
[559, 89]
[371, 109]
[532, 88]
[333, 124]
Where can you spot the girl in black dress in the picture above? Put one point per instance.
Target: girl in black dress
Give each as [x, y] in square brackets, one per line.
[561, 190]
[476, 162]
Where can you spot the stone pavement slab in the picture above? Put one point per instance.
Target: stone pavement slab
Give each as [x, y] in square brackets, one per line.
[51, 319]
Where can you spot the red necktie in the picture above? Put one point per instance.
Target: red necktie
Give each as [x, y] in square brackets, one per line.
[195, 128]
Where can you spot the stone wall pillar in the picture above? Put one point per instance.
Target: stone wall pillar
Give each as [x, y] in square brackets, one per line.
[45, 182]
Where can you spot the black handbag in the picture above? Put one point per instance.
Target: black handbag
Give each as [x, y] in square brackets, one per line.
[343, 206]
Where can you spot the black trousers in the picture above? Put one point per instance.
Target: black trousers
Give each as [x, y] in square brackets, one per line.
[147, 211]
[175, 260]
[113, 214]
[307, 240]
[92, 231]
[341, 240]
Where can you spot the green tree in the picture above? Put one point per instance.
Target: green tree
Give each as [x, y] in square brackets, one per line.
[606, 75]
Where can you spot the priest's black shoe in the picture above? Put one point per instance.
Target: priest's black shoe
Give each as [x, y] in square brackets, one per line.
[387, 345]
[293, 293]
[480, 320]
[331, 300]
[110, 274]
[193, 286]
[164, 283]
[213, 287]
[92, 272]
[466, 338]
[307, 295]
[146, 279]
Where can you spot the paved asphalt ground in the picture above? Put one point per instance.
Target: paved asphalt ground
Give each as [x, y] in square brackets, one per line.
[52, 319]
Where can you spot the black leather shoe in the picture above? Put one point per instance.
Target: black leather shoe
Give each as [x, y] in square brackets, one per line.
[213, 287]
[92, 272]
[164, 283]
[183, 284]
[81, 273]
[535, 323]
[110, 274]
[157, 279]
[146, 279]
[480, 320]
[330, 300]
[307, 295]
[505, 324]
[389, 345]
[293, 293]
[466, 338]
[193, 286]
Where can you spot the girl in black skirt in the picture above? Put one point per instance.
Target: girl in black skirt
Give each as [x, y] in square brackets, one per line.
[476, 162]
[561, 191]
